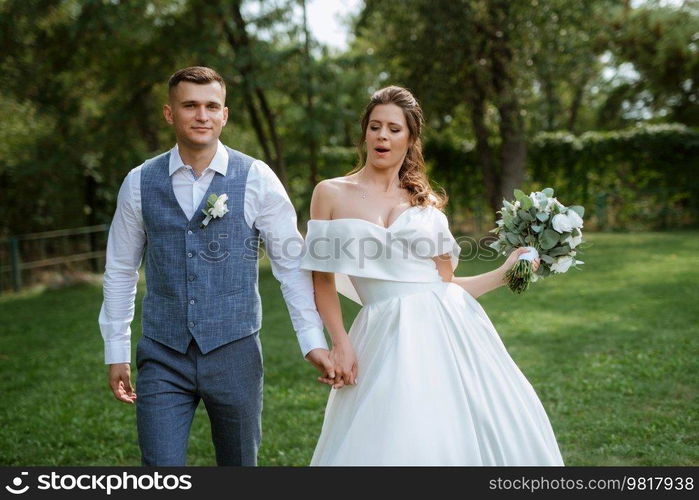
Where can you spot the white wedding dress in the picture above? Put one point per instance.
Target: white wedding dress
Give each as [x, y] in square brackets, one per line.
[436, 385]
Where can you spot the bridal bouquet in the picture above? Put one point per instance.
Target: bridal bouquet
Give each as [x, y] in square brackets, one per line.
[549, 229]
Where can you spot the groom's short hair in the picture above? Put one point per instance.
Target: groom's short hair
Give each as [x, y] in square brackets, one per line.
[196, 74]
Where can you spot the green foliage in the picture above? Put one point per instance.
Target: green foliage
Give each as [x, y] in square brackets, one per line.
[631, 179]
[83, 83]
[661, 43]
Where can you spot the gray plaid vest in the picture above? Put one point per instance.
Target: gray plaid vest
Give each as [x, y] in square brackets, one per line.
[201, 283]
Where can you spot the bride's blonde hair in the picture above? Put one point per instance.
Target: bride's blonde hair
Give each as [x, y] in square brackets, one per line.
[412, 174]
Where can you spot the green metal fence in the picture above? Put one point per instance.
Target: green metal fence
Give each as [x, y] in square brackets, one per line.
[22, 256]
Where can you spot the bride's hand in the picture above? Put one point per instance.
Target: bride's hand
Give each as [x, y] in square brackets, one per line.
[512, 259]
[345, 361]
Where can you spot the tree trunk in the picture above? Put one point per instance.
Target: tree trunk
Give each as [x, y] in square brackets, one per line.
[551, 102]
[142, 101]
[484, 153]
[513, 150]
[312, 142]
[254, 96]
[91, 216]
[578, 94]
[278, 165]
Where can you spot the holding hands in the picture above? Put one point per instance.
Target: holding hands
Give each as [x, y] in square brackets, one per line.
[337, 367]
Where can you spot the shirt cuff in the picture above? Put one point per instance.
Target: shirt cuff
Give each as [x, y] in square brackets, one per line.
[117, 352]
[312, 338]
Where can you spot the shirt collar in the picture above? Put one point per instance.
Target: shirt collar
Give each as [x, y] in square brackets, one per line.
[219, 163]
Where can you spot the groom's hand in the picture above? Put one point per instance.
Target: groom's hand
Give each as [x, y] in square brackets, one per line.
[120, 382]
[320, 358]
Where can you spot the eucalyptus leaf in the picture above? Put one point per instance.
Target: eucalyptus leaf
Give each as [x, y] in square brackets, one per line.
[537, 228]
[558, 251]
[524, 215]
[512, 238]
[542, 216]
[549, 239]
[578, 210]
[548, 192]
[547, 258]
[519, 196]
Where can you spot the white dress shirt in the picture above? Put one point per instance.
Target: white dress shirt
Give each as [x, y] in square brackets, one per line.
[267, 206]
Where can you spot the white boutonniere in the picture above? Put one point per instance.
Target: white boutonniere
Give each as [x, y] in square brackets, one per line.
[215, 208]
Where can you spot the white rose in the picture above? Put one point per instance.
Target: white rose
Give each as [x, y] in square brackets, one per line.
[573, 241]
[219, 209]
[562, 264]
[539, 200]
[561, 223]
[575, 220]
[550, 202]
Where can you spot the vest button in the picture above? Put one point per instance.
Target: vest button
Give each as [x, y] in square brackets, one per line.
[189, 231]
[192, 301]
[190, 254]
[191, 277]
[191, 324]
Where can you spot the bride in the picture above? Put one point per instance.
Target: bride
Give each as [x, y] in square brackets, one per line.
[422, 377]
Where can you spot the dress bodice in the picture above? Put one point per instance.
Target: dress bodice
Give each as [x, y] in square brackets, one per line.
[402, 252]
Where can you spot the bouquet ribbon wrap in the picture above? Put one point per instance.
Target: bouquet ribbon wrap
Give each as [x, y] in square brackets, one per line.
[531, 255]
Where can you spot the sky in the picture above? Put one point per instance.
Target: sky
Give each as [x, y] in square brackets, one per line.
[636, 3]
[325, 20]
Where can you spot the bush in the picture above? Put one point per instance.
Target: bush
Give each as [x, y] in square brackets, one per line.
[639, 178]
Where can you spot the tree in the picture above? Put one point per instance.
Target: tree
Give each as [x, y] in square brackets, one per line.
[423, 43]
[662, 44]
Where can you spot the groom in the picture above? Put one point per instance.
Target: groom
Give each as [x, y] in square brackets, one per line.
[201, 312]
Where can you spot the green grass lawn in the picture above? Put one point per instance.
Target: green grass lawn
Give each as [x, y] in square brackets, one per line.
[611, 351]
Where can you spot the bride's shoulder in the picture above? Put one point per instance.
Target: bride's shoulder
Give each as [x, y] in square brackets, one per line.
[328, 191]
[435, 205]
[434, 210]
[325, 196]
[337, 183]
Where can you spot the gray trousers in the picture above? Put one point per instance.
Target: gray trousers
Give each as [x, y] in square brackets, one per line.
[170, 385]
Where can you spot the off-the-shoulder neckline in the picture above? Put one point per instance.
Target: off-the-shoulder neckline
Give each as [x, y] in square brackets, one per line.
[357, 219]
